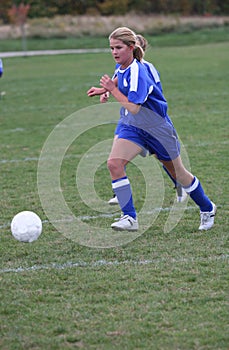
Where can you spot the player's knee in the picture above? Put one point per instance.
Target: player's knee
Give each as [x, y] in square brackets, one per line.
[114, 166]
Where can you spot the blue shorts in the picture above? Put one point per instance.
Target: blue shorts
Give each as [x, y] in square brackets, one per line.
[144, 151]
[162, 140]
[118, 126]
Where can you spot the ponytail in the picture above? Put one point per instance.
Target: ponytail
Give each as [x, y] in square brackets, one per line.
[138, 53]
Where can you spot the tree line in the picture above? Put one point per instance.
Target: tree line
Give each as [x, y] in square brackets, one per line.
[51, 8]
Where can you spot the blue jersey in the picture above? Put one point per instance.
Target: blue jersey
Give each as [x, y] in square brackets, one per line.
[153, 73]
[150, 128]
[136, 83]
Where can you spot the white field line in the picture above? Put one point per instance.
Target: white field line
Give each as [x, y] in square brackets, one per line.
[51, 52]
[113, 263]
[148, 212]
[108, 215]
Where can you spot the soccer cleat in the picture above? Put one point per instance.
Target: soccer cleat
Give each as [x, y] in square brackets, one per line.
[207, 218]
[125, 223]
[113, 200]
[181, 194]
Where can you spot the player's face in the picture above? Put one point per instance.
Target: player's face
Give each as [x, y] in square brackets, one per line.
[121, 53]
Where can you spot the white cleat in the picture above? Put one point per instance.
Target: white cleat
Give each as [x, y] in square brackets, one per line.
[181, 194]
[113, 200]
[125, 223]
[207, 218]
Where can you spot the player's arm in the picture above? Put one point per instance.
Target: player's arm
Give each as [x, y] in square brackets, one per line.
[94, 91]
[104, 97]
[107, 83]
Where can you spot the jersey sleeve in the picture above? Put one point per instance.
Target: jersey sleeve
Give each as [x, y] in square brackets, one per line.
[139, 84]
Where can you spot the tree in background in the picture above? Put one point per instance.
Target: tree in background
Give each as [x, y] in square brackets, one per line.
[51, 8]
[110, 7]
[18, 15]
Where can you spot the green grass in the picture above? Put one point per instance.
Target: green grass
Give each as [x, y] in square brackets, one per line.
[161, 291]
[196, 37]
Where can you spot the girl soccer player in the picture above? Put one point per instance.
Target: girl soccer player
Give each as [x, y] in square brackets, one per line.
[144, 123]
[153, 73]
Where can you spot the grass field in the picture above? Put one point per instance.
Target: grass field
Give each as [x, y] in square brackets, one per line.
[162, 290]
[197, 37]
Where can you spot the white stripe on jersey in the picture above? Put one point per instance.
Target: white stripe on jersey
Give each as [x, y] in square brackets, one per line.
[134, 73]
[149, 92]
[153, 71]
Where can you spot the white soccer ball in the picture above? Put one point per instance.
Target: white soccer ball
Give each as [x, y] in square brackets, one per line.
[26, 226]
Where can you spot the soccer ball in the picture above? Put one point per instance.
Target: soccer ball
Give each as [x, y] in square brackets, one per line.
[26, 226]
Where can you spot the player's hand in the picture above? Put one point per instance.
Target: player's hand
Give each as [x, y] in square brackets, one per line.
[94, 91]
[104, 97]
[107, 83]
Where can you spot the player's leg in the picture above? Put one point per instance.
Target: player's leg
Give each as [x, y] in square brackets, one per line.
[180, 192]
[122, 152]
[114, 199]
[193, 187]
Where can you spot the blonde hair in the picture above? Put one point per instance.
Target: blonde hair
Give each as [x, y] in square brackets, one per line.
[128, 37]
[142, 41]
